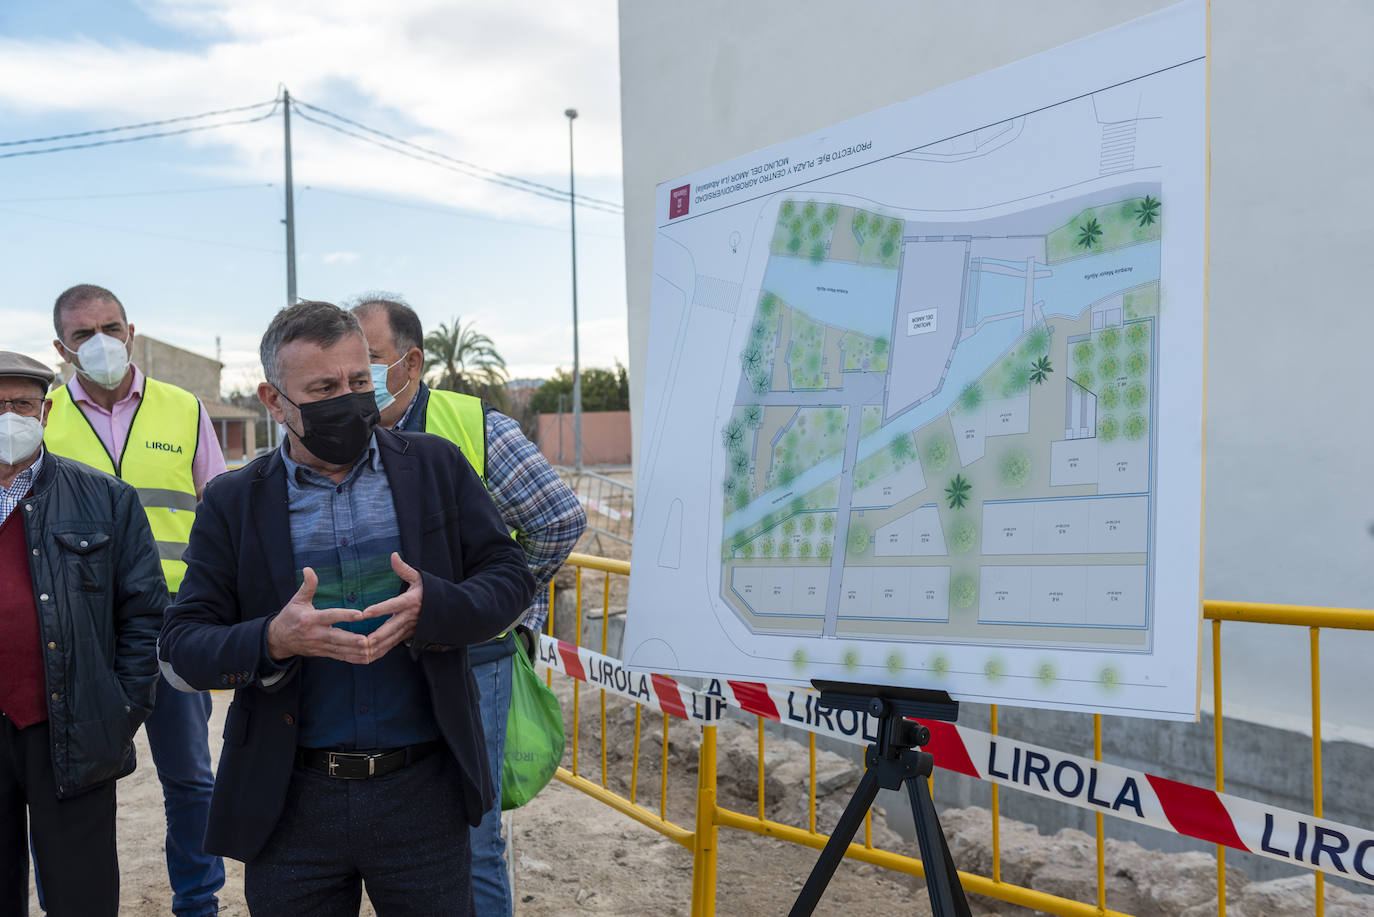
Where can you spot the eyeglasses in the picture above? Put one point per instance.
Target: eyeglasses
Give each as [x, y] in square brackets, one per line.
[27, 406]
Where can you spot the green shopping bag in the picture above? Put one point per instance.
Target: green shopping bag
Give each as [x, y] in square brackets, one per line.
[534, 734]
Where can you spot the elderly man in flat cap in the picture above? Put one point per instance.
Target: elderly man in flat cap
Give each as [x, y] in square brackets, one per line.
[79, 616]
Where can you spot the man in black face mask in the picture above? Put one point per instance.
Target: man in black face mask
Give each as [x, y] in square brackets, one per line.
[335, 585]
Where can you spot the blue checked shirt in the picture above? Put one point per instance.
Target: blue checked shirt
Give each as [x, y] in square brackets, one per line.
[529, 494]
[10, 496]
[346, 532]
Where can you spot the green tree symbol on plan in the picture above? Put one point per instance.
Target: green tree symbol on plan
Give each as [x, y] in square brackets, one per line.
[971, 396]
[963, 536]
[963, 591]
[788, 208]
[957, 493]
[1015, 469]
[937, 453]
[1040, 370]
[902, 450]
[817, 253]
[1038, 341]
[1147, 211]
[1089, 233]
[858, 541]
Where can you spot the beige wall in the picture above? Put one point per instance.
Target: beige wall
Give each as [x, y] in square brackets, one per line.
[605, 438]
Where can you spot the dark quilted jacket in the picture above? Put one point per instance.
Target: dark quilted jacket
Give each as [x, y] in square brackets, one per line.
[99, 592]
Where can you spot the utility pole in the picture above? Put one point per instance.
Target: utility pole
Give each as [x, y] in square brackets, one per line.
[571, 114]
[290, 220]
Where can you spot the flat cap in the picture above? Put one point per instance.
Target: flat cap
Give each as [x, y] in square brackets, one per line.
[16, 364]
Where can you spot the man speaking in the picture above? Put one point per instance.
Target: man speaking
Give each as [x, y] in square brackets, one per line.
[335, 585]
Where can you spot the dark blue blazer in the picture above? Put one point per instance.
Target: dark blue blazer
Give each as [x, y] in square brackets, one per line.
[240, 572]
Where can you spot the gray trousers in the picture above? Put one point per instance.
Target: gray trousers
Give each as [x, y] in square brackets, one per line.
[403, 835]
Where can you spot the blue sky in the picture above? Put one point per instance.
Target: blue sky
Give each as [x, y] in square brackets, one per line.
[187, 230]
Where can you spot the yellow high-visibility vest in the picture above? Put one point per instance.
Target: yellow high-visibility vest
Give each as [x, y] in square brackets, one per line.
[156, 461]
[461, 420]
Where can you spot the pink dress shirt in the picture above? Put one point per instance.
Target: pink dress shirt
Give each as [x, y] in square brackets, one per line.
[113, 428]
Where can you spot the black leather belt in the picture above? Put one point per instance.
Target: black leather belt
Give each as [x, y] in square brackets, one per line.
[361, 765]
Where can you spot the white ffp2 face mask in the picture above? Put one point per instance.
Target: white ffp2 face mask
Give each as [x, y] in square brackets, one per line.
[102, 359]
[20, 437]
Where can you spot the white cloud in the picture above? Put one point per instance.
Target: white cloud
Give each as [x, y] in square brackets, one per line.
[339, 257]
[485, 80]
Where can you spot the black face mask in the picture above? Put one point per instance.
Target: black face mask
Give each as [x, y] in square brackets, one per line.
[337, 429]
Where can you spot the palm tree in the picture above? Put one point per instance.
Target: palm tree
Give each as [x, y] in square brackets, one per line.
[465, 360]
[1147, 211]
[957, 491]
[1040, 370]
[1089, 233]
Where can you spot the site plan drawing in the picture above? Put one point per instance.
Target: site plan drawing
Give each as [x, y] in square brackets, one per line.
[926, 410]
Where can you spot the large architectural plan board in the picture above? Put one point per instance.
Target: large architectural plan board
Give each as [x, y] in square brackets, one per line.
[924, 393]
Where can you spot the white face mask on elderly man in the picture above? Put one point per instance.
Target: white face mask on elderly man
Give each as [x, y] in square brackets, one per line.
[102, 359]
[19, 437]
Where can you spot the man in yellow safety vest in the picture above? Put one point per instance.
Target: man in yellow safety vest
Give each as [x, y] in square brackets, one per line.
[535, 504]
[159, 439]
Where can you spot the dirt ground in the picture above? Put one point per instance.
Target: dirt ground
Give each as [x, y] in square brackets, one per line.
[571, 853]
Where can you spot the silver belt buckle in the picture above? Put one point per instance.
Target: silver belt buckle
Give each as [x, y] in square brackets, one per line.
[336, 756]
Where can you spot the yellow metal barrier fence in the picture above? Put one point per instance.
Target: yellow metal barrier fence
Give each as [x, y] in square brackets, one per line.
[710, 815]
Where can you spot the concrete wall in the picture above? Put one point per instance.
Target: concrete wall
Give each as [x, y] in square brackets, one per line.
[605, 438]
[1289, 504]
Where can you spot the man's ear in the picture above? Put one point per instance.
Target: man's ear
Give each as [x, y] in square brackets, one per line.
[271, 399]
[44, 411]
[415, 362]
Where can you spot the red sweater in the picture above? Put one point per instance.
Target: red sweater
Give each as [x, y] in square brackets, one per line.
[21, 653]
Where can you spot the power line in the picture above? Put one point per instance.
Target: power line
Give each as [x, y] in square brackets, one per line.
[140, 126]
[142, 232]
[161, 192]
[137, 137]
[434, 162]
[452, 211]
[474, 170]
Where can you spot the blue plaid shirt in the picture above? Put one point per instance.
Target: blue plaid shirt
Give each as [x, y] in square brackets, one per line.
[529, 494]
[10, 496]
[346, 532]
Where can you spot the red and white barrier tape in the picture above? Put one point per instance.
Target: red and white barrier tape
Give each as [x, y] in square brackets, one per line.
[1218, 818]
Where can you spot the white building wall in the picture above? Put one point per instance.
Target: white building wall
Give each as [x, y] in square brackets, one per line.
[1290, 428]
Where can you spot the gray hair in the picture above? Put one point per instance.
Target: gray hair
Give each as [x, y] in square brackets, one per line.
[406, 330]
[320, 323]
[79, 295]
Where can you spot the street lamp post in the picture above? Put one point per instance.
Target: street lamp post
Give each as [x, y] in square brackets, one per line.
[571, 115]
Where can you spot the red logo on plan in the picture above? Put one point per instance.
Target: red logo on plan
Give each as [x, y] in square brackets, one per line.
[678, 199]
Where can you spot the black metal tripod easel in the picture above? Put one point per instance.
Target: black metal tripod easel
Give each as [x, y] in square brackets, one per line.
[893, 760]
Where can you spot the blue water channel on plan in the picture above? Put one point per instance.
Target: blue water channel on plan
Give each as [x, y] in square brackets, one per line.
[1072, 285]
[1067, 292]
[839, 293]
